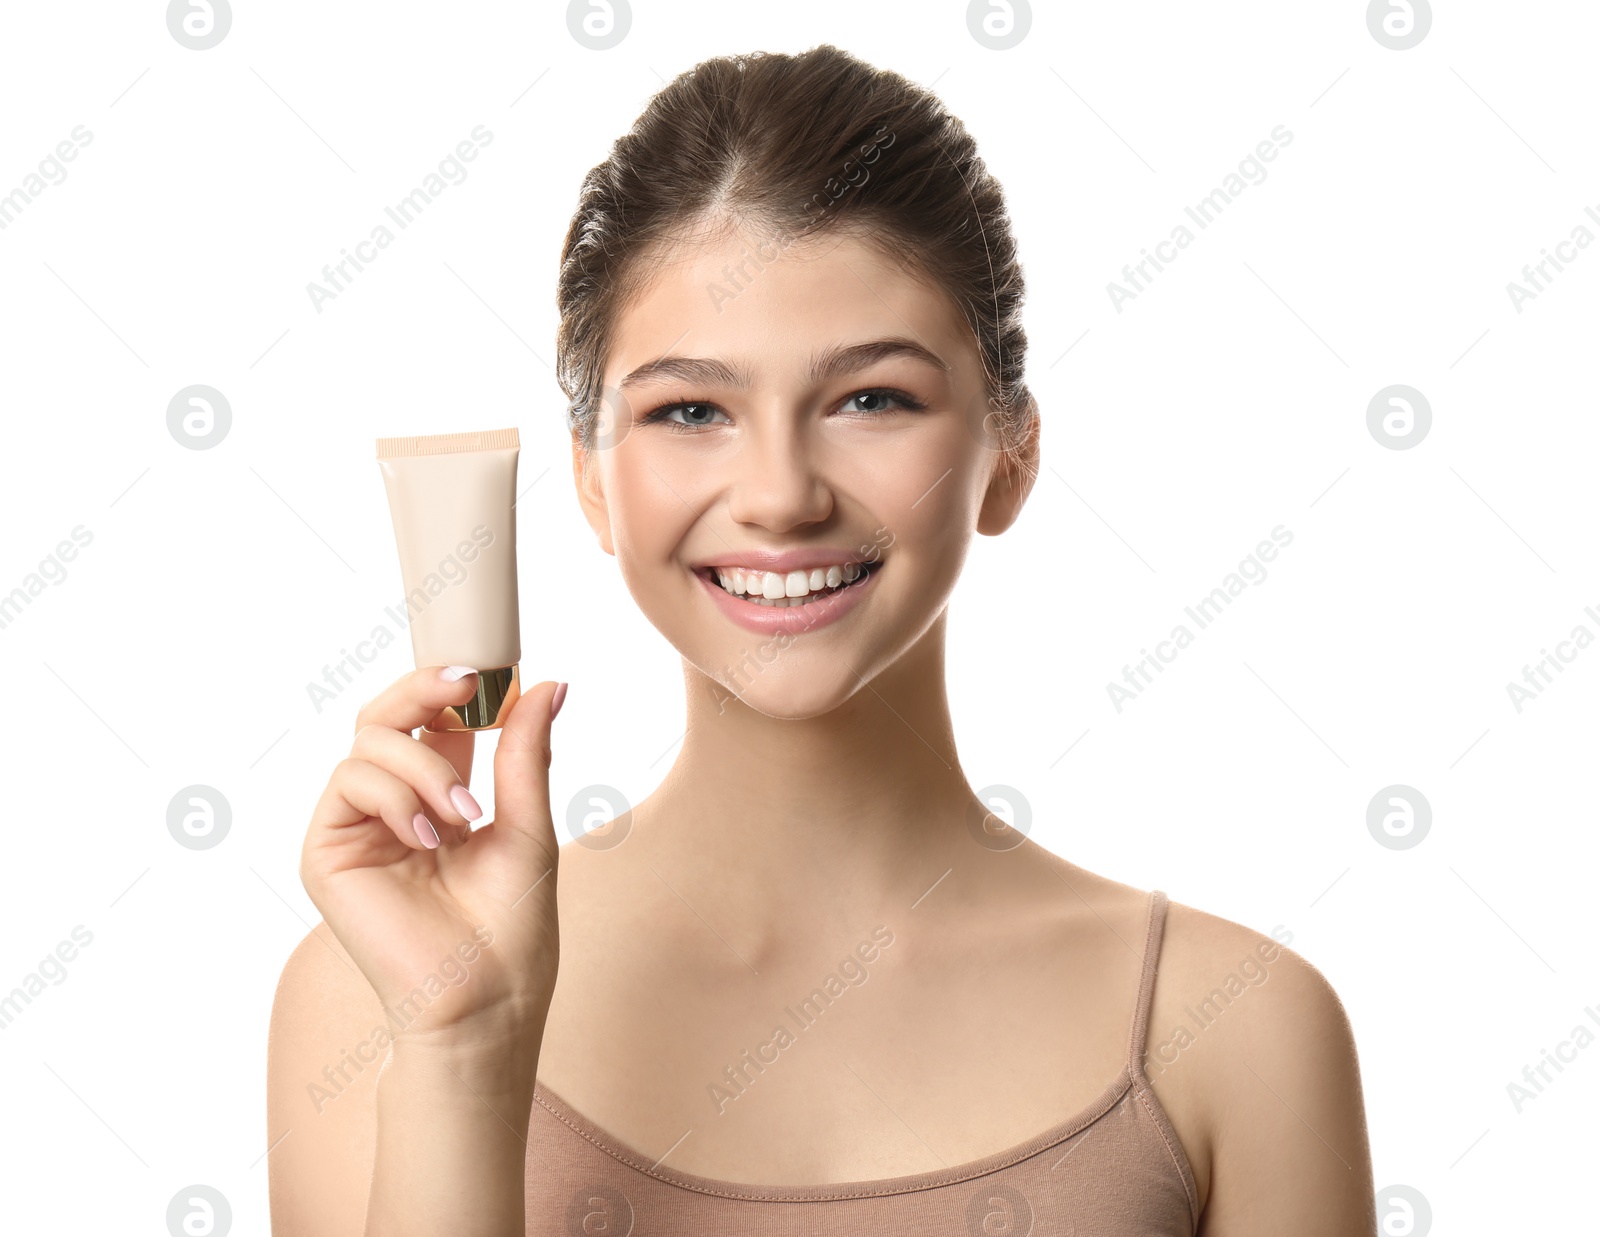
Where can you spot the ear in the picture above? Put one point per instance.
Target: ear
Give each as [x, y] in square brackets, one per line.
[1014, 474]
[591, 494]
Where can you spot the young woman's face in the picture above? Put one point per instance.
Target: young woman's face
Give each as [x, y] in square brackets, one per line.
[746, 414]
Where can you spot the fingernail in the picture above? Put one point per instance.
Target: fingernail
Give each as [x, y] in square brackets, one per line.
[452, 674]
[558, 700]
[465, 803]
[425, 831]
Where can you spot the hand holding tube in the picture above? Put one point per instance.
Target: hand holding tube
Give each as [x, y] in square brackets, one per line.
[404, 881]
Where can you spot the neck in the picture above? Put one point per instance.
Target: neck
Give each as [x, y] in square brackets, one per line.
[845, 815]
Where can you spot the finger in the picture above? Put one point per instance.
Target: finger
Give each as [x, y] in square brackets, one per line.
[427, 772]
[522, 766]
[359, 790]
[455, 746]
[416, 699]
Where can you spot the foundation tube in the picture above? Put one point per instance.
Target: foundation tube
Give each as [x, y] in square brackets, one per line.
[452, 498]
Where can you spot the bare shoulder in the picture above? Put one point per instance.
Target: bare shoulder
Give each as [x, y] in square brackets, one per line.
[1251, 1051]
[327, 1041]
[1216, 969]
[1120, 907]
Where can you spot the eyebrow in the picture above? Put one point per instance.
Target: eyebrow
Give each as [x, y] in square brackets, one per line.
[831, 362]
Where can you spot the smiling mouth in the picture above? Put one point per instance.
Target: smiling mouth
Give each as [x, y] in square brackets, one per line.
[758, 580]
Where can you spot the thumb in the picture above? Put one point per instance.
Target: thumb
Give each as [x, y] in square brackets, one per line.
[522, 763]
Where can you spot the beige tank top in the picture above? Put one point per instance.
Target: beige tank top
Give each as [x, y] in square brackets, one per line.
[1115, 1169]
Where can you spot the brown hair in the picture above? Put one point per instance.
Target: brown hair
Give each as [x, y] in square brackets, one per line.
[795, 145]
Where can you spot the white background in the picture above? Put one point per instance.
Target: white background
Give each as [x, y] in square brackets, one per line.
[1227, 399]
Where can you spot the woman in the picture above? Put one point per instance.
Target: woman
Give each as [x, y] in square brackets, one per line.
[811, 984]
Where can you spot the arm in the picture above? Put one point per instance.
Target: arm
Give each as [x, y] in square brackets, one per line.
[437, 957]
[373, 1136]
[323, 1055]
[453, 1138]
[1290, 1151]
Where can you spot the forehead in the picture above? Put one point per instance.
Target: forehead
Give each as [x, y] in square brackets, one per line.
[748, 298]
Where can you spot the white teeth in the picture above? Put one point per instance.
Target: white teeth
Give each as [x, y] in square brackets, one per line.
[789, 588]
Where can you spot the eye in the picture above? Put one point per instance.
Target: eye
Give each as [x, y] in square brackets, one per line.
[886, 399]
[697, 413]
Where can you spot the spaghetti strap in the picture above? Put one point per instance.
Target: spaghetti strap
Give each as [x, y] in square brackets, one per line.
[1147, 980]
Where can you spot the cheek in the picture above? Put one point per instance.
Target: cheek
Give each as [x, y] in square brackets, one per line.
[926, 499]
[650, 510]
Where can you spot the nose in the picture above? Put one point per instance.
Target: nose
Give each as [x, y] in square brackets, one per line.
[776, 483]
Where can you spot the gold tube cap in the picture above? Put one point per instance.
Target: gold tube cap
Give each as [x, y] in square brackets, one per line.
[488, 707]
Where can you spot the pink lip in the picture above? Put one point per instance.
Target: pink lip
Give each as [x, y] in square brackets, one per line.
[792, 620]
[784, 560]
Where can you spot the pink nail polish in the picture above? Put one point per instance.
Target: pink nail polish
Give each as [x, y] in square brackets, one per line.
[454, 674]
[425, 831]
[465, 803]
[558, 700]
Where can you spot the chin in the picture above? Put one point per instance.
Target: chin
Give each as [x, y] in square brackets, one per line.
[794, 696]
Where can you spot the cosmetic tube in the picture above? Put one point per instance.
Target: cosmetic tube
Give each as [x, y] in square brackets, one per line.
[453, 501]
